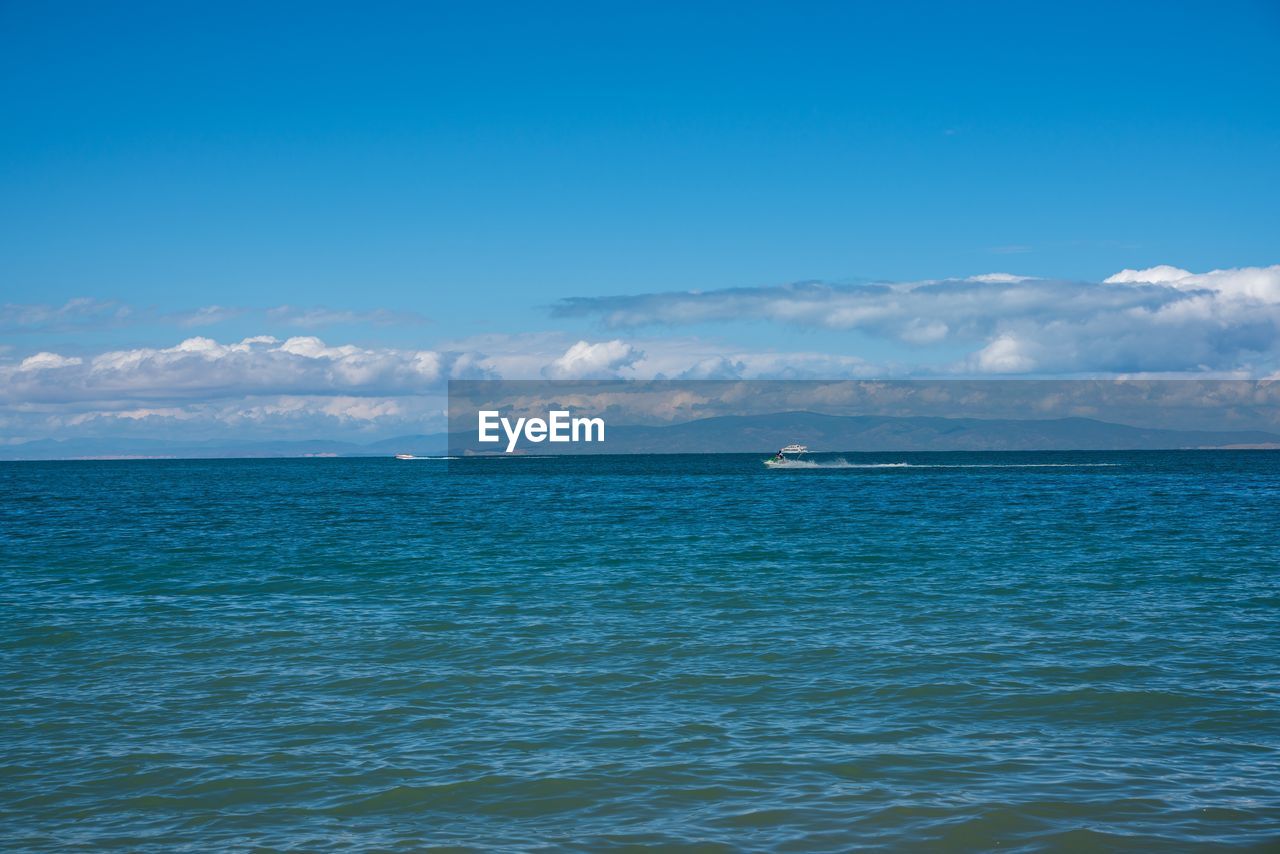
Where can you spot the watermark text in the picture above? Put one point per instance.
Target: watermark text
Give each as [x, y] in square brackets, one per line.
[558, 426]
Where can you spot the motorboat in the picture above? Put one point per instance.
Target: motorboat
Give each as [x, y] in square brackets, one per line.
[786, 455]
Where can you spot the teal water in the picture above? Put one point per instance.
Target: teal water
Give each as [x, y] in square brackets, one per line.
[1018, 650]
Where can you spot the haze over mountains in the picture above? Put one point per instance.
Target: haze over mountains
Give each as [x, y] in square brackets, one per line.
[749, 433]
[723, 434]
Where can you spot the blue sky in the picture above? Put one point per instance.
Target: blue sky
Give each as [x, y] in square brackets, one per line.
[409, 182]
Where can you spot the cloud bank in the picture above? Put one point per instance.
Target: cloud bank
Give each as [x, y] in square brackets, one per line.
[86, 314]
[1162, 319]
[1157, 321]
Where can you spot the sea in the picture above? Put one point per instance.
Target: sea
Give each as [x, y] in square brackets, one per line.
[911, 651]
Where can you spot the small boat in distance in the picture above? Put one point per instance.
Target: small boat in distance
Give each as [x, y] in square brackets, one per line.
[405, 457]
[794, 449]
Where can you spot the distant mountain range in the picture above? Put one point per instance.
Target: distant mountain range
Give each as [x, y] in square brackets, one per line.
[723, 434]
[747, 433]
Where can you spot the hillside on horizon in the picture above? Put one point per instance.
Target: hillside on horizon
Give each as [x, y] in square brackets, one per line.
[876, 433]
[719, 434]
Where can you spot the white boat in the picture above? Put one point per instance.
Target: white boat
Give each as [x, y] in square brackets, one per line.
[785, 455]
[405, 457]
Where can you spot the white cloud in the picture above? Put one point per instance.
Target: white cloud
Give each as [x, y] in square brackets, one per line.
[45, 361]
[206, 369]
[552, 355]
[998, 277]
[277, 416]
[1005, 355]
[139, 414]
[1152, 275]
[1260, 284]
[75, 314]
[585, 360]
[694, 359]
[315, 317]
[304, 386]
[1158, 319]
[83, 313]
[208, 315]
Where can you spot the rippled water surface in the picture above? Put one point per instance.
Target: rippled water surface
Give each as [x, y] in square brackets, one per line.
[970, 651]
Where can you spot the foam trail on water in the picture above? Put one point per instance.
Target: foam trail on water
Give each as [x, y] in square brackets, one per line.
[845, 464]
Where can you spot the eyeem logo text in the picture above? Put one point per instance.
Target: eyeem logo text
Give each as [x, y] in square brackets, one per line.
[556, 427]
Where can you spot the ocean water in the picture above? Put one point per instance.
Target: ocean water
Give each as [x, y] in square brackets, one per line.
[968, 651]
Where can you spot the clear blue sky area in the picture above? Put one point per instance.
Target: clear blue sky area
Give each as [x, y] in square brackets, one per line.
[477, 162]
[227, 219]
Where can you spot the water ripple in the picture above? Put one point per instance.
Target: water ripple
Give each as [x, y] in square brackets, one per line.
[333, 654]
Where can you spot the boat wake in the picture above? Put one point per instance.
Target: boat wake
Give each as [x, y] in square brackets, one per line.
[845, 464]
